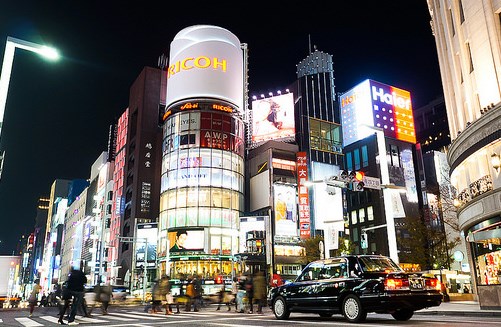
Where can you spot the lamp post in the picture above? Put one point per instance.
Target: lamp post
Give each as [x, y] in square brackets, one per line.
[8, 59]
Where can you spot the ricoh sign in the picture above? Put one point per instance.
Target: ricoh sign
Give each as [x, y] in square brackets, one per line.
[205, 62]
[376, 104]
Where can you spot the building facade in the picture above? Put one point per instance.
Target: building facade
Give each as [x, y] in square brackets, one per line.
[202, 177]
[467, 36]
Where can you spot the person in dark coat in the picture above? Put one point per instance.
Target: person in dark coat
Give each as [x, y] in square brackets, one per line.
[249, 292]
[64, 296]
[76, 282]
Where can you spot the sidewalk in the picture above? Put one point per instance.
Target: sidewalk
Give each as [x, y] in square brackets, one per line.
[459, 308]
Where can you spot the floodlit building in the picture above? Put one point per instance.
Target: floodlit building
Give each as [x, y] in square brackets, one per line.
[469, 52]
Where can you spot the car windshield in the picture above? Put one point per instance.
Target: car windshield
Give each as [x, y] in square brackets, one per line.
[379, 264]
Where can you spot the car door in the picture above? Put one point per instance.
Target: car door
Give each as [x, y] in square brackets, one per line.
[332, 280]
[302, 292]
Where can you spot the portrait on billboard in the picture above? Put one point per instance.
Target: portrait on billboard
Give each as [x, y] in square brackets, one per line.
[273, 118]
[186, 240]
[285, 210]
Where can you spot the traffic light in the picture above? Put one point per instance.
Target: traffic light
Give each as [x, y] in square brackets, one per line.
[357, 178]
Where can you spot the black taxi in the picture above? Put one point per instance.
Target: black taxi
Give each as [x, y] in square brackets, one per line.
[354, 285]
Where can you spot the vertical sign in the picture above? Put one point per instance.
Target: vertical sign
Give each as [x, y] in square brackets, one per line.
[304, 201]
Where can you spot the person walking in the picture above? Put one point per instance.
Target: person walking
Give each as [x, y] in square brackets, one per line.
[156, 297]
[165, 290]
[260, 290]
[33, 298]
[240, 295]
[223, 298]
[64, 301]
[105, 295]
[76, 282]
[249, 292]
[234, 292]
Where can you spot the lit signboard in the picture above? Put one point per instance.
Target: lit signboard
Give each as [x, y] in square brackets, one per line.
[186, 239]
[205, 61]
[376, 104]
[273, 118]
[303, 197]
[146, 243]
[285, 210]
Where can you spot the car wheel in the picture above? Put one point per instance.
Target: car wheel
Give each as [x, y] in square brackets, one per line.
[325, 315]
[403, 314]
[280, 308]
[352, 309]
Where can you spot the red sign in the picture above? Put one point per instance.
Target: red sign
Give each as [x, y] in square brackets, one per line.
[304, 200]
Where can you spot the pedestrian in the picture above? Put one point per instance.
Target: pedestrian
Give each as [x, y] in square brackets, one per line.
[249, 292]
[64, 295]
[240, 295]
[190, 293]
[156, 297]
[197, 287]
[76, 282]
[33, 298]
[234, 292]
[105, 295]
[222, 298]
[165, 290]
[259, 283]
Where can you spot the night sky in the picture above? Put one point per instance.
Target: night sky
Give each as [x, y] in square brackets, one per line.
[57, 114]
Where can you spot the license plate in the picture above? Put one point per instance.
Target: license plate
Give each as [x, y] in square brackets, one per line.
[416, 284]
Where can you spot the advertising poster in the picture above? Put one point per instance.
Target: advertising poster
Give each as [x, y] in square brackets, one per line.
[146, 238]
[186, 239]
[273, 118]
[285, 210]
[303, 197]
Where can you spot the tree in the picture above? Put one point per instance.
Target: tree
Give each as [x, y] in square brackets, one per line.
[312, 250]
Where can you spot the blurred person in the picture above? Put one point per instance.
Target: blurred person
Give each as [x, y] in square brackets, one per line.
[259, 283]
[76, 282]
[223, 298]
[240, 295]
[64, 301]
[33, 298]
[249, 292]
[234, 292]
[165, 290]
[105, 296]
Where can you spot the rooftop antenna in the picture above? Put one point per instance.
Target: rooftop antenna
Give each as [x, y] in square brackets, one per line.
[309, 42]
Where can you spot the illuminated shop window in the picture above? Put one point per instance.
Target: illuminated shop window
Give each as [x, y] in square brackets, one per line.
[353, 217]
[361, 215]
[325, 136]
[370, 213]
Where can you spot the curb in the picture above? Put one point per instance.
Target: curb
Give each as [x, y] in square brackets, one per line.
[460, 313]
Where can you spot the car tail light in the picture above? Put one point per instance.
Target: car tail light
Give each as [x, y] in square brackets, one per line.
[432, 284]
[392, 284]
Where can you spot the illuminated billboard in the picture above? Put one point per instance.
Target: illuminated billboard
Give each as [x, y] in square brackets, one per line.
[146, 237]
[285, 210]
[273, 118]
[205, 61]
[186, 239]
[371, 103]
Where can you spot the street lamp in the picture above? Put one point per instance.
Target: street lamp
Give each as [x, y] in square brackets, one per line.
[8, 59]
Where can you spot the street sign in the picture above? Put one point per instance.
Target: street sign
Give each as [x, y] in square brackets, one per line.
[372, 182]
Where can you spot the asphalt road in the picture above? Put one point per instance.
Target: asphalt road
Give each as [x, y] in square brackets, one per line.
[135, 316]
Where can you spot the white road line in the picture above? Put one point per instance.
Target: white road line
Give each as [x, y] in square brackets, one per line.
[27, 322]
[136, 315]
[87, 319]
[110, 316]
[50, 318]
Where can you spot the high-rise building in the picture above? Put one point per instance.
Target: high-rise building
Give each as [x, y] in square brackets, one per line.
[202, 175]
[140, 184]
[467, 39]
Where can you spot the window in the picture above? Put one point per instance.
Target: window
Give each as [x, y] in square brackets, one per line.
[353, 217]
[349, 164]
[461, 12]
[452, 23]
[356, 156]
[468, 50]
[394, 156]
[365, 156]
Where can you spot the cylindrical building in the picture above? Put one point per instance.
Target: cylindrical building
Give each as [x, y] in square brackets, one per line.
[202, 182]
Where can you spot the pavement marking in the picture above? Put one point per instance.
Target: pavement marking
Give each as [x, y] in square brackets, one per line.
[50, 318]
[112, 317]
[87, 319]
[27, 322]
[136, 315]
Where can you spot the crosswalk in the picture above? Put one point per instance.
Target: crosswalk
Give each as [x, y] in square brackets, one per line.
[120, 318]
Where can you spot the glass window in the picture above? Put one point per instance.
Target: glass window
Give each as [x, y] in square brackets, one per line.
[365, 156]
[356, 156]
[349, 164]
[217, 177]
[354, 217]
[192, 215]
[181, 217]
[361, 215]
[204, 197]
[370, 213]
